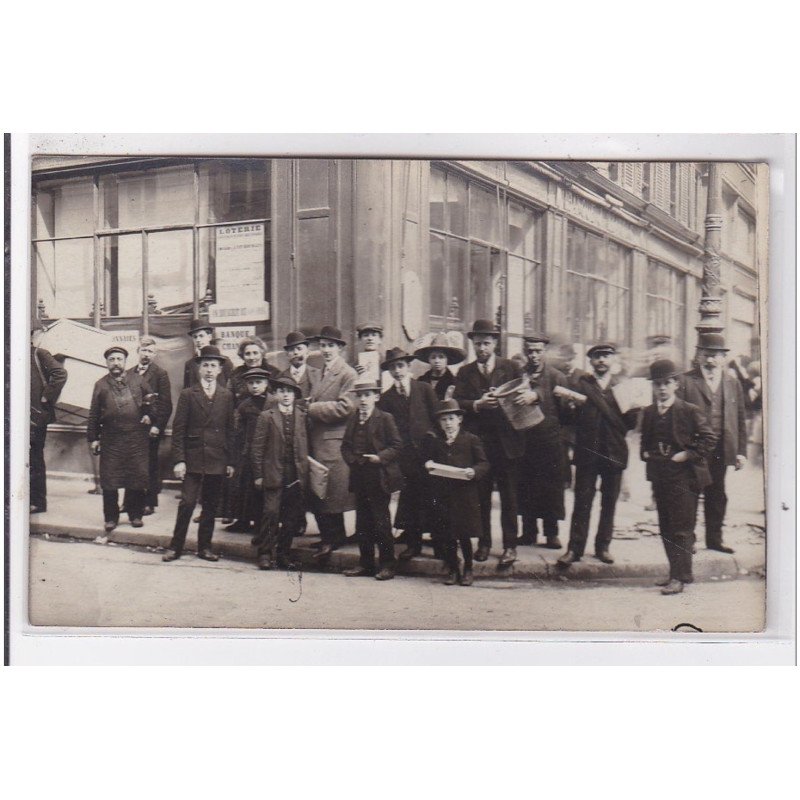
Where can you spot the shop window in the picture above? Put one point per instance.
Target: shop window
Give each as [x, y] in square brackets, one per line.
[666, 303]
[170, 256]
[484, 215]
[64, 279]
[122, 275]
[64, 208]
[234, 189]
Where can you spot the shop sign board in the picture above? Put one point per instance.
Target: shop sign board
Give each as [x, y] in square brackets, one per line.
[229, 338]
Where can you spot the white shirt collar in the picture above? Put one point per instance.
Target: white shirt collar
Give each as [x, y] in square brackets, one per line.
[603, 380]
[667, 404]
[298, 371]
[286, 410]
[488, 367]
[406, 381]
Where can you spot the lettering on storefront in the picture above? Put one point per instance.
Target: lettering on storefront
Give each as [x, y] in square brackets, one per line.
[235, 313]
[240, 264]
[230, 337]
[129, 337]
[596, 215]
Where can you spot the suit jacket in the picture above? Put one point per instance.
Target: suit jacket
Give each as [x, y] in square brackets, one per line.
[191, 373]
[491, 424]
[269, 444]
[310, 381]
[203, 435]
[421, 408]
[550, 405]
[594, 414]
[442, 384]
[691, 432]
[158, 380]
[55, 376]
[693, 388]
[383, 439]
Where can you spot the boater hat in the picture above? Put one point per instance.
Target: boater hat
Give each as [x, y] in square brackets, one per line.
[395, 354]
[449, 407]
[662, 369]
[200, 325]
[712, 341]
[602, 347]
[483, 327]
[209, 351]
[285, 382]
[366, 386]
[536, 337]
[331, 333]
[115, 349]
[440, 343]
[369, 326]
[294, 338]
[255, 372]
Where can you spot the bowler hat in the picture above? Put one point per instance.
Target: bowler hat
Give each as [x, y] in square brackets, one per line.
[116, 348]
[366, 386]
[285, 382]
[209, 351]
[536, 337]
[712, 341]
[601, 347]
[395, 354]
[331, 333]
[483, 327]
[441, 344]
[200, 325]
[255, 372]
[294, 338]
[369, 326]
[662, 369]
[449, 407]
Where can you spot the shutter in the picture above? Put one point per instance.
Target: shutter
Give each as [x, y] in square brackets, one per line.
[682, 193]
[630, 173]
[660, 186]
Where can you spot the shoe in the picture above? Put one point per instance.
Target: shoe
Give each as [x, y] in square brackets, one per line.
[508, 558]
[171, 555]
[359, 572]
[409, 553]
[482, 553]
[148, 510]
[238, 527]
[227, 520]
[207, 555]
[553, 543]
[109, 526]
[604, 556]
[324, 551]
[663, 582]
[137, 523]
[38, 509]
[385, 574]
[284, 563]
[526, 541]
[568, 558]
[466, 578]
[264, 562]
[720, 548]
[196, 519]
[673, 587]
[452, 578]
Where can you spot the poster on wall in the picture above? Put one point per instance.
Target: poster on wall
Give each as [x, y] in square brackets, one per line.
[240, 263]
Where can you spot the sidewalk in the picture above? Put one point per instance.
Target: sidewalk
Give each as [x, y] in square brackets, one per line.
[637, 548]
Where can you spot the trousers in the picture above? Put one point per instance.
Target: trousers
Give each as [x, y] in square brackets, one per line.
[331, 528]
[676, 499]
[504, 472]
[585, 487]
[715, 501]
[451, 552]
[282, 513]
[373, 522]
[206, 489]
[38, 470]
[134, 504]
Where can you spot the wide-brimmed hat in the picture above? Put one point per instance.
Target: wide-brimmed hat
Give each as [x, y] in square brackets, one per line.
[294, 338]
[536, 336]
[331, 333]
[449, 407]
[395, 354]
[662, 369]
[366, 386]
[440, 343]
[712, 341]
[601, 347]
[369, 326]
[116, 348]
[200, 325]
[285, 382]
[255, 372]
[209, 351]
[483, 327]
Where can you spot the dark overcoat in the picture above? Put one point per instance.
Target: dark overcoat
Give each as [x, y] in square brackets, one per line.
[693, 388]
[383, 440]
[48, 377]
[268, 448]
[421, 402]
[237, 383]
[692, 433]
[203, 434]
[491, 424]
[455, 504]
[442, 384]
[158, 380]
[309, 381]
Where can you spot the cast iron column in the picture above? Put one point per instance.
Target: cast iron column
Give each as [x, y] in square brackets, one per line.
[710, 301]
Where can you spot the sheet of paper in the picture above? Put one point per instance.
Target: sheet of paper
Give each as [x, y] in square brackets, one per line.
[633, 393]
[371, 361]
[446, 471]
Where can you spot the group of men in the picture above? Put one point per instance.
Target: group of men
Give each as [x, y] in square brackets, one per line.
[691, 434]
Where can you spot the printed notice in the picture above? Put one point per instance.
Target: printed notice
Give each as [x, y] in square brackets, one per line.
[240, 264]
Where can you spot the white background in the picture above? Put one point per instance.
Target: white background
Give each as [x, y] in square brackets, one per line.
[416, 67]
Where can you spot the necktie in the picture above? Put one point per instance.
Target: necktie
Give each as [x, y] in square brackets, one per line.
[141, 369]
[207, 388]
[362, 417]
[401, 390]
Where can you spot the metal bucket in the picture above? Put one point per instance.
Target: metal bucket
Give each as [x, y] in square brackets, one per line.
[520, 417]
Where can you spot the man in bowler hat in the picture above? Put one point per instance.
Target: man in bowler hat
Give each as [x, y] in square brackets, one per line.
[201, 334]
[299, 370]
[719, 395]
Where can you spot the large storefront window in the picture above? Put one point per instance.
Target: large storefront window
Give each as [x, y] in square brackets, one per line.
[64, 280]
[598, 288]
[666, 303]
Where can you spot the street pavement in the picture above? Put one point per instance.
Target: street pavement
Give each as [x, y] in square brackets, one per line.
[637, 548]
[82, 584]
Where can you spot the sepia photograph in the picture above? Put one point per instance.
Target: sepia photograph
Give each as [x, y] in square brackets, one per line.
[395, 394]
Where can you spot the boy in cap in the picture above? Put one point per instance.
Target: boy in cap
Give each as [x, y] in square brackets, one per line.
[371, 447]
[202, 335]
[676, 440]
[279, 456]
[455, 503]
[203, 452]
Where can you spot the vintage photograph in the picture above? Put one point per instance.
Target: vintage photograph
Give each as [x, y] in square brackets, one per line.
[395, 394]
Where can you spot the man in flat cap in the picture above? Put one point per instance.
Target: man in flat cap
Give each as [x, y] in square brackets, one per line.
[719, 396]
[370, 341]
[202, 334]
[600, 452]
[118, 430]
[504, 446]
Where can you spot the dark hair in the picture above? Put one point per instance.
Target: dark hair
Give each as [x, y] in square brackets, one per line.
[248, 340]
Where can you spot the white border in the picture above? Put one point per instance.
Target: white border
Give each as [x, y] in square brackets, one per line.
[125, 646]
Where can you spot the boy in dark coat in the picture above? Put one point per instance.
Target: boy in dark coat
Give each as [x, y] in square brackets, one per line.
[279, 457]
[203, 452]
[371, 447]
[456, 503]
[676, 440]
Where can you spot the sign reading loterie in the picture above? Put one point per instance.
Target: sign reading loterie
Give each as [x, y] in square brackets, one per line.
[240, 264]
